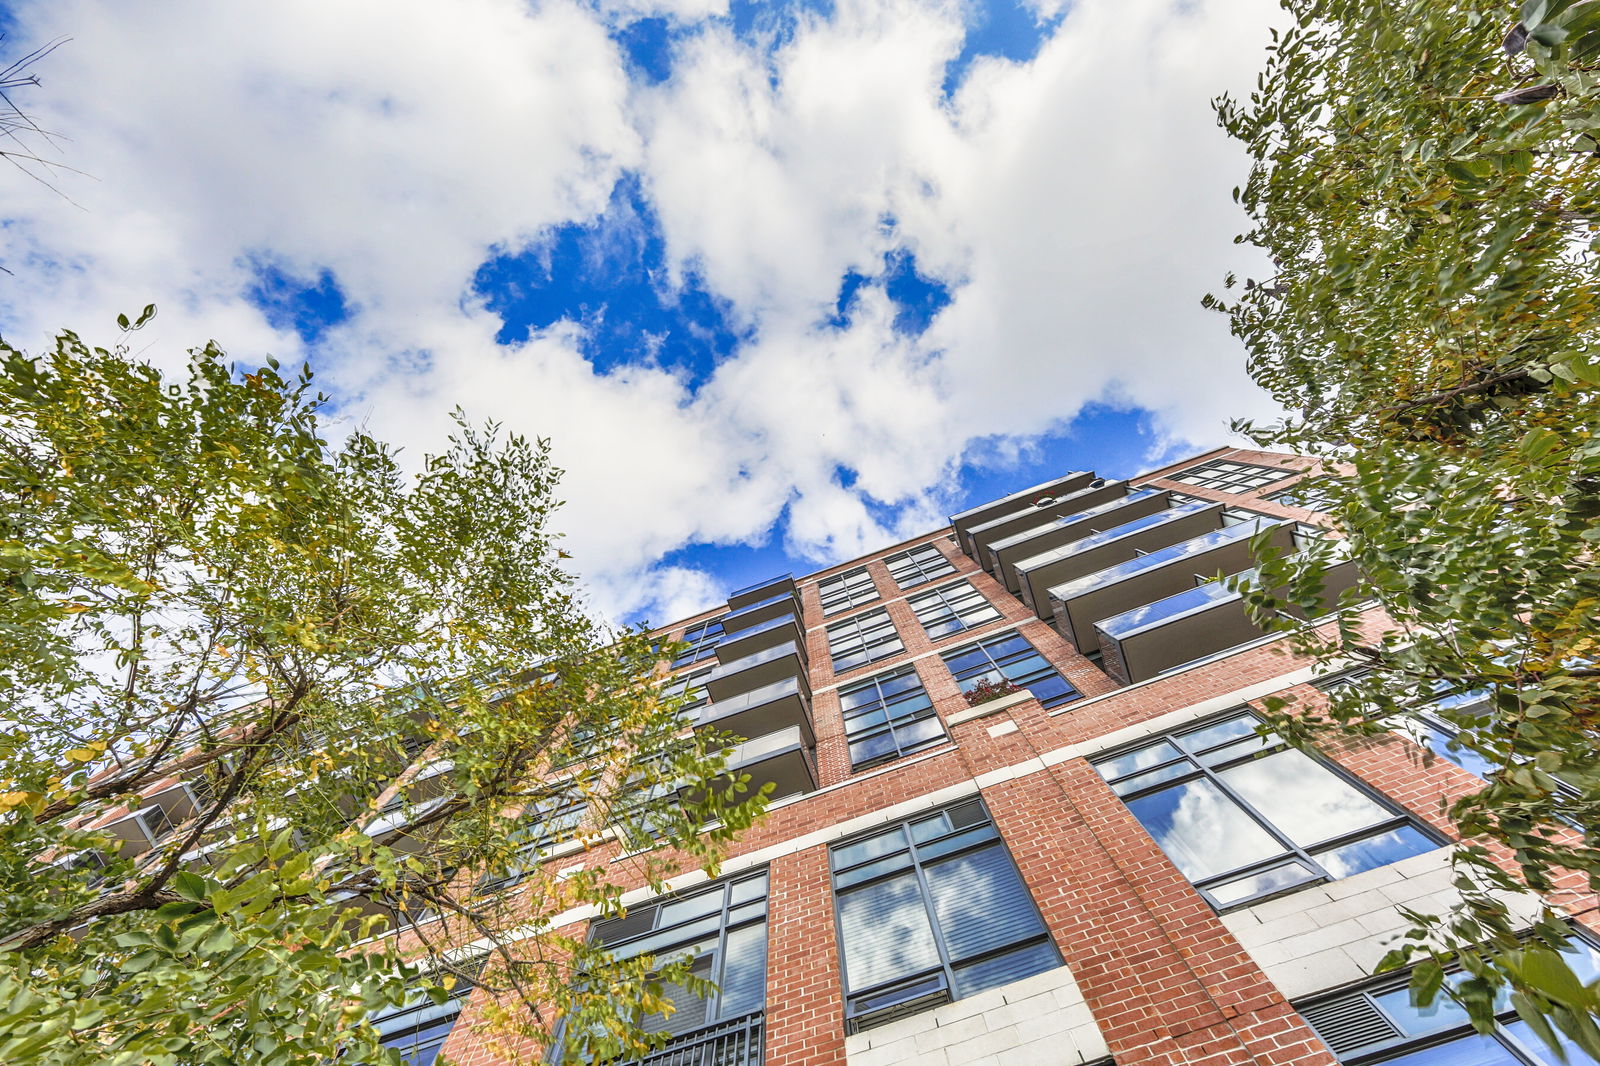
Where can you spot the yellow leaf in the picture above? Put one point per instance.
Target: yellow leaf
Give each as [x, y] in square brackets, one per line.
[82, 754]
[8, 800]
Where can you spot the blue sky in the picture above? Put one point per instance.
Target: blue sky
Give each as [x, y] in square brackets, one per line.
[783, 282]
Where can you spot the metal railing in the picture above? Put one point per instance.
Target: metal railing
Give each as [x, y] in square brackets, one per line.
[735, 1042]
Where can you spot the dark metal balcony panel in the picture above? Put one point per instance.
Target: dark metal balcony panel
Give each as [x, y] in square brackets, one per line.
[1029, 515]
[1005, 554]
[761, 711]
[1191, 625]
[753, 671]
[975, 516]
[762, 635]
[1078, 604]
[761, 590]
[735, 1042]
[782, 758]
[1128, 539]
[755, 613]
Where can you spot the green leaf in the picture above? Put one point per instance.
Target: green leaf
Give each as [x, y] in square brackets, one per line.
[1537, 443]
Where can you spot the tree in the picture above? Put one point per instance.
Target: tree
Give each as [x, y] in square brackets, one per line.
[200, 588]
[1424, 191]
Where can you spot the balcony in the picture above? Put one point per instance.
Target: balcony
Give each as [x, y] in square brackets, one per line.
[780, 705]
[765, 667]
[759, 636]
[976, 516]
[763, 610]
[1110, 544]
[761, 590]
[1193, 624]
[735, 1042]
[1002, 553]
[782, 758]
[1029, 514]
[1078, 604]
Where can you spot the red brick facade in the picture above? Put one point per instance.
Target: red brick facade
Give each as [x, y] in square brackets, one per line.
[1163, 975]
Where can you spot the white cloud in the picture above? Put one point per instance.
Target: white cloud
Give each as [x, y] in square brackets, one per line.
[1077, 203]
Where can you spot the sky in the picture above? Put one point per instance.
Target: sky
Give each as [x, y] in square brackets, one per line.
[783, 283]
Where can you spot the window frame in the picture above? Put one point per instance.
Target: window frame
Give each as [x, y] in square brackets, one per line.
[714, 1014]
[912, 566]
[851, 591]
[702, 642]
[425, 1005]
[854, 627]
[1314, 486]
[944, 993]
[1069, 696]
[1291, 852]
[1376, 1052]
[890, 725]
[692, 682]
[551, 828]
[940, 596]
[1241, 479]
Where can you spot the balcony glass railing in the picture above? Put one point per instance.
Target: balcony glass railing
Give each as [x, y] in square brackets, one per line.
[730, 621]
[1173, 553]
[1067, 520]
[1150, 521]
[733, 636]
[1189, 601]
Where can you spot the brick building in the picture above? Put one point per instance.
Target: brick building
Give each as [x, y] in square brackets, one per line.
[1099, 863]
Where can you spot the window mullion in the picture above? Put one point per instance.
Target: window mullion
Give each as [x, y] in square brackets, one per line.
[933, 920]
[1260, 819]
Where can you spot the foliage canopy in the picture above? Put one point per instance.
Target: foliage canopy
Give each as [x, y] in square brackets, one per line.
[211, 609]
[1424, 191]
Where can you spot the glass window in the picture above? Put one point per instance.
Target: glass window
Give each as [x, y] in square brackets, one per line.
[418, 1028]
[548, 821]
[952, 608]
[724, 926]
[932, 910]
[864, 638]
[1244, 816]
[690, 683]
[702, 640]
[849, 589]
[1222, 475]
[1008, 657]
[1380, 1024]
[1312, 493]
[888, 716]
[918, 566]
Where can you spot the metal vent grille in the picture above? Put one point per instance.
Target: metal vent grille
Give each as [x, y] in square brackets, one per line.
[1349, 1023]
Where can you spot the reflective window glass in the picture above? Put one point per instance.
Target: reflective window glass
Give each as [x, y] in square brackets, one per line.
[1244, 817]
[918, 566]
[948, 916]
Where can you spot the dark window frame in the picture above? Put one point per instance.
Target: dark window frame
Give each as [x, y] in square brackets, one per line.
[919, 565]
[702, 641]
[933, 608]
[932, 986]
[430, 1017]
[858, 630]
[1211, 772]
[1232, 476]
[995, 665]
[543, 825]
[841, 592]
[1365, 1000]
[892, 726]
[733, 915]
